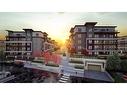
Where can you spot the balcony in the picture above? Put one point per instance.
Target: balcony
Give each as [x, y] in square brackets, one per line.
[18, 41]
[16, 36]
[102, 39]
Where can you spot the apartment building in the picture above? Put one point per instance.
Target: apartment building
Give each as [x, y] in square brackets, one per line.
[89, 39]
[122, 44]
[25, 44]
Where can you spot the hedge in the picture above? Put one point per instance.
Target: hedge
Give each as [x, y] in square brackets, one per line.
[76, 61]
[52, 64]
[79, 67]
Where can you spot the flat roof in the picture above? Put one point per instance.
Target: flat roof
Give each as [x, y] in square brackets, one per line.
[105, 26]
[90, 23]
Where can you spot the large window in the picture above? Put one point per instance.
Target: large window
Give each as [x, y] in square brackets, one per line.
[90, 47]
[79, 30]
[90, 35]
[96, 36]
[79, 35]
[79, 41]
[90, 41]
[79, 47]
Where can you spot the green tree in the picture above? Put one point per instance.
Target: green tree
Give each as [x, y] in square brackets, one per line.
[113, 62]
[124, 65]
[2, 55]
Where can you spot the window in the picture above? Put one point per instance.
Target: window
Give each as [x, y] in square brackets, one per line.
[96, 36]
[79, 41]
[79, 35]
[90, 35]
[96, 53]
[111, 36]
[90, 47]
[79, 47]
[90, 30]
[96, 47]
[90, 53]
[96, 41]
[37, 34]
[28, 39]
[90, 41]
[28, 48]
[79, 30]
[23, 49]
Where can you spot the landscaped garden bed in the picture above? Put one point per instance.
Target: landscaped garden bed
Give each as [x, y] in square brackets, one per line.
[52, 64]
[76, 61]
[78, 67]
[38, 61]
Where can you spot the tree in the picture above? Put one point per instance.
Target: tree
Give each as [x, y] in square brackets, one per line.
[113, 62]
[2, 58]
[2, 55]
[72, 51]
[124, 65]
[84, 52]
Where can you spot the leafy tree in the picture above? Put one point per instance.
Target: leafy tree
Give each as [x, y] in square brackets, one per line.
[2, 55]
[124, 65]
[84, 52]
[113, 62]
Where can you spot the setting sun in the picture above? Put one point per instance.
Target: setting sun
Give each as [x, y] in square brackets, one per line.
[57, 28]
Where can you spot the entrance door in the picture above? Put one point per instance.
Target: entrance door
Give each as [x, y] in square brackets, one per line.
[94, 67]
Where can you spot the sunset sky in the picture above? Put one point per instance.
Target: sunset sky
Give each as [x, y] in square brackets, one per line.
[58, 24]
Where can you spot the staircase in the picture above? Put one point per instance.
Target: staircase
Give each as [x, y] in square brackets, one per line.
[65, 78]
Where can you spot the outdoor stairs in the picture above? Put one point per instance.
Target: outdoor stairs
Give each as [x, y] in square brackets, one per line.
[65, 78]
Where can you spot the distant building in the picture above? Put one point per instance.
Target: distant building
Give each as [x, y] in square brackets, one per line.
[27, 43]
[89, 39]
[122, 44]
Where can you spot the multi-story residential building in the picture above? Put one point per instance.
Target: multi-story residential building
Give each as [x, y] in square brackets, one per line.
[122, 44]
[25, 43]
[89, 39]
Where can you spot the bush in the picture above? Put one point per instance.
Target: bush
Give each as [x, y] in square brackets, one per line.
[124, 65]
[79, 67]
[117, 78]
[64, 54]
[76, 61]
[52, 64]
[113, 62]
[38, 61]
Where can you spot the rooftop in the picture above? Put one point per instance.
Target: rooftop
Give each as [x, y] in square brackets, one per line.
[90, 23]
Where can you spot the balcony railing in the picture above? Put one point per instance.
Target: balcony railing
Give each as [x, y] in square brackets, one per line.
[102, 39]
[18, 41]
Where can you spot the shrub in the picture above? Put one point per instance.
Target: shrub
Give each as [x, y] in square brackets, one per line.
[76, 61]
[113, 62]
[38, 61]
[79, 67]
[124, 65]
[52, 64]
[64, 54]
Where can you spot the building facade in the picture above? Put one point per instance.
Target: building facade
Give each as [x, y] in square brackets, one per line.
[122, 44]
[89, 39]
[25, 44]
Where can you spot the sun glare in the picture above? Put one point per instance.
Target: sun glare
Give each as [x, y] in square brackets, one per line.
[57, 29]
